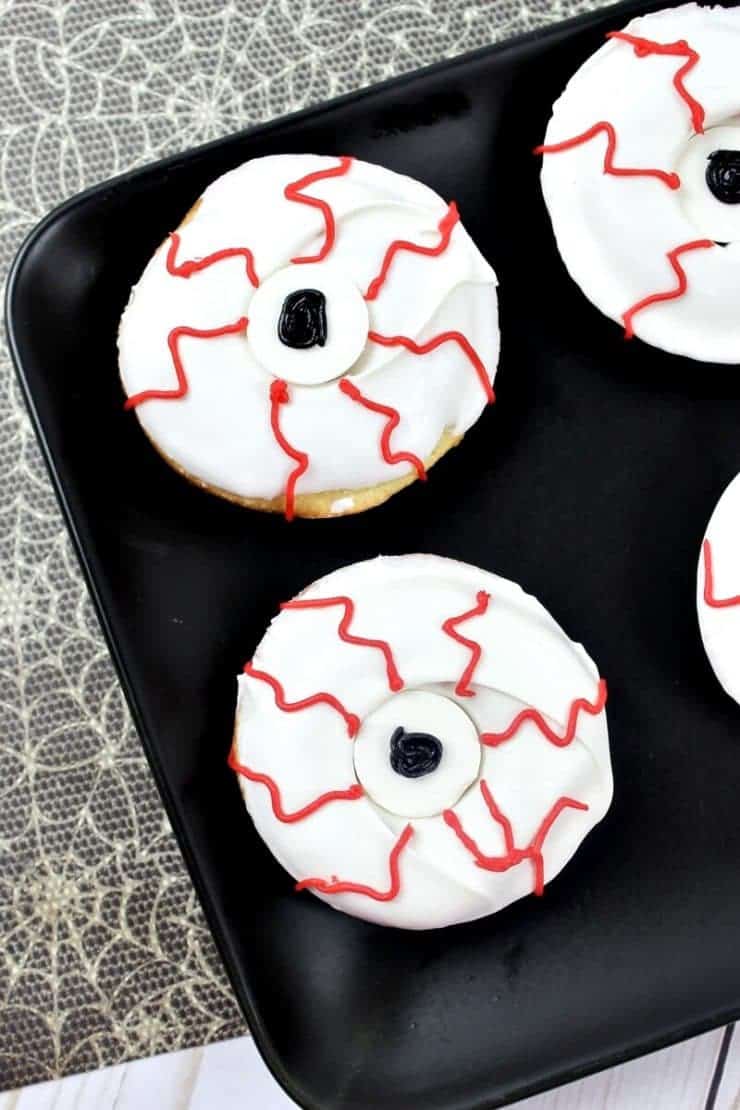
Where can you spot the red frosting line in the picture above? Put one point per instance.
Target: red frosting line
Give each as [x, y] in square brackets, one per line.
[279, 396]
[195, 265]
[671, 294]
[672, 180]
[294, 191]
[173, 341]
[512, 855]
[493, 739]
[351, 719]
[432, 344]
[393, 420]
[482, 598]
[445, 227]
[709, 596]
[394, 679]
[680, 49]
[338, 886]
[349, 795]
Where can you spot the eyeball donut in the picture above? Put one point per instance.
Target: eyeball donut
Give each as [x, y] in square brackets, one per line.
[419, 743]
[641, 177]
[718, 590]
[313, 337]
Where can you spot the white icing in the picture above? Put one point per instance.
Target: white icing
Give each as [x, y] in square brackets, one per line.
[426, 712]
[711, 217]
[614, 233]
[347, 324]
[720, 628]
[220, 432]
[342, 505]
[527, 660]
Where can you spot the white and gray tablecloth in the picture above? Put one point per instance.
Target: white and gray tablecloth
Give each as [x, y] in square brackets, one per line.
[104, 954]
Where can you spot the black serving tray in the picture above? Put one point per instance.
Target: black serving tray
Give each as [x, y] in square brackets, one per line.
[590, 482]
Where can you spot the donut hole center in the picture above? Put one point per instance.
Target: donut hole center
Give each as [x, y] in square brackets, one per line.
[417, 754]
[709, 169]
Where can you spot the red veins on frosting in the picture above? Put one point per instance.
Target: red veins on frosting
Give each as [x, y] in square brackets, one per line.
[671, 294]
[432, 344]
[445, 227]
[395, 681]
[294, 191]
[194, 265]
[580, 705]
[350, 795]
[339, 886]
[351, 720]
[512, 855]
[462, 689]
[681, 49]
[709, 596]
[279, 395]
[672, 180]
[393, 419]
[173, 342]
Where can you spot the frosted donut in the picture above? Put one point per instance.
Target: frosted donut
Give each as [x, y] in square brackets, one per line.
[419, 743]
[641, 177]
[313, 337]
[718, 590]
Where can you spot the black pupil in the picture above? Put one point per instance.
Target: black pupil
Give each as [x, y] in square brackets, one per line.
[723, 175]
[302, 320]
[414, 754]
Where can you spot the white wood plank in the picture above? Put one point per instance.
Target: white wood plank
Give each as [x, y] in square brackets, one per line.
[233, 1077]
[728, 1095]
[676, 1078]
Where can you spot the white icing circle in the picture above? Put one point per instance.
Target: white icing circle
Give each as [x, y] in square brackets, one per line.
[712, 218]
[221, 431]
[346, 320]
[615, 233]
[526, 666]
[417, 711]
[719, 624]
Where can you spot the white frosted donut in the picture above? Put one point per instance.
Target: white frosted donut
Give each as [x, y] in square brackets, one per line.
[641, 176]
[316, 325]
[718, 590]
[419, 743]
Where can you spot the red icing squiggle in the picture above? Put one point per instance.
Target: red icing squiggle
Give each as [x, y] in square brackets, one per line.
[445, 227]
[671, 294]
[173, 341]
[512, 855]
[394, 679]
[672, 180]
[194, 266]
[279, 396]
[709, 598]
[493, 739]
[322, 698]
[432, 344]
[463, 686]
[338, 886]
[294, 191]
[349, 795]
[680, 49]
[393, 420]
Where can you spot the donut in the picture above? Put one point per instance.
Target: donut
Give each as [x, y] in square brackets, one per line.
[718, 590]
[641, 177]
[313, 337]
[419, 743]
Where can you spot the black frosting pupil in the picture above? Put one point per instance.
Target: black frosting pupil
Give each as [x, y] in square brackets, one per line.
[302, 320]
[414, 754]
[723, 175]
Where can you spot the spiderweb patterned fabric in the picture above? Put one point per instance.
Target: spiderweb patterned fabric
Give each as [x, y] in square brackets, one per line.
[104, 953]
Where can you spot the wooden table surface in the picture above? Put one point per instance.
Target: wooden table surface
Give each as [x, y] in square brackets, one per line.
[701, 1074]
